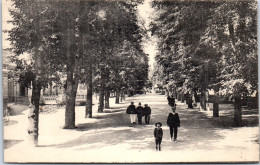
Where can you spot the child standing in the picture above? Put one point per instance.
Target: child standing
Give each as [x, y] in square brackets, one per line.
[158, 134]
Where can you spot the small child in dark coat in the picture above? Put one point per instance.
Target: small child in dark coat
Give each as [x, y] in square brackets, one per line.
[158, 134]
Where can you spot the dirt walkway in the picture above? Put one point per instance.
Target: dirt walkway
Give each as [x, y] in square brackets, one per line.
[108, 138]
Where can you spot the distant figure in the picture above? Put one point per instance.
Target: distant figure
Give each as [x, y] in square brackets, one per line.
[173, 121]
[158, 134]
[171, 100]
[194, 103]
[132, 111]
[122, 96]
[189, 101]
[140, 113]
[147, 113]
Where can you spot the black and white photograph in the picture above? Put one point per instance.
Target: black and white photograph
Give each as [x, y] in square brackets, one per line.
[130, 81]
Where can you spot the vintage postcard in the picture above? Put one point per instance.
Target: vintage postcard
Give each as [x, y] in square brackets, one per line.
[134, 81]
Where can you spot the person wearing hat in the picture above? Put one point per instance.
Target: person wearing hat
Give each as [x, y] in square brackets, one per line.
[147, 113]
[131, 110]
[158, 134]
[173, 121]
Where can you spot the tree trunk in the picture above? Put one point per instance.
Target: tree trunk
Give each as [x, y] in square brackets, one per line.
[101, 91]
[107, 95]
[167, 92]
[237, 112]
[178, 96]
[182, 97]
[50, 92]
[33, 116]
[203, 99]
[128, 93]
[101, 100]
[88, 111]
[71, 83]
[71, 92]
[216, 105]
[117, 96]
[122, 95]
[175, 93]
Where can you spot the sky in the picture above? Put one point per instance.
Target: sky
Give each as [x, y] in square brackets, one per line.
[147, 12]
[6, 4]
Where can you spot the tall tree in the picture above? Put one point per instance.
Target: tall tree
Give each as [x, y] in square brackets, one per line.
[57, 38]
[232, 31]
[178, 27]
[29, 35]
[208, 45]
[118, 23]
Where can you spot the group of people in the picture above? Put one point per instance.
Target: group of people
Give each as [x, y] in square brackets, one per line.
[139, 112]
[190, 100]
[173, 120]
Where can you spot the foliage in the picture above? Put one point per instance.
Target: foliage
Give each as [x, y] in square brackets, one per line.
[207, 45]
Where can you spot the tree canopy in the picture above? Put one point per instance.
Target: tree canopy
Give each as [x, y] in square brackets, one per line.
[207, 44]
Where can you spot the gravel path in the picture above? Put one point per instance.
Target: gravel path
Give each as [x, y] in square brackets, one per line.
[107, 137]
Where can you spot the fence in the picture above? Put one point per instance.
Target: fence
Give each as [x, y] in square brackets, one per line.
[50, 97]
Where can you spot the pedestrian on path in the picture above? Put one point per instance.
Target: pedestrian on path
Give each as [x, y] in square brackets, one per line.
[140, 113]
[189, 101]
[173, 121]
[158, 134]
[194, 103]
[132, 111]
[171, 100]
[147, 113]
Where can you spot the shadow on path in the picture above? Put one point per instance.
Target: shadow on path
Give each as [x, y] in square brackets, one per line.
[197, 131]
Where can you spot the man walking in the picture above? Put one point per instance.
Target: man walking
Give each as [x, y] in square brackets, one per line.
[147, 113]
[131, 110]
[173, 121]
[140, 113]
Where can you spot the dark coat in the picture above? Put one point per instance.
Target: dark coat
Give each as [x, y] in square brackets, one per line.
[173, 120]
[147, 110]
[171, 101]
[140, 111]
[189, 102]
[131, 109]
[158, 133]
